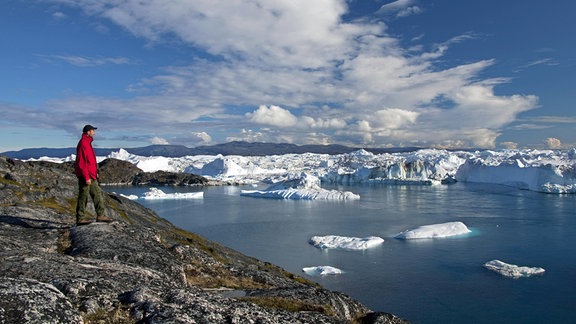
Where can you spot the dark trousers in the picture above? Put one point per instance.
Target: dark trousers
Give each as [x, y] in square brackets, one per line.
[85, 191]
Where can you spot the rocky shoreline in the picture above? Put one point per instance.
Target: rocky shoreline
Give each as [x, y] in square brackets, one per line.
[140, 268]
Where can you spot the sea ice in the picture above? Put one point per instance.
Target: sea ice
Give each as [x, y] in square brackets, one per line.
[434, 231]
[322, 271]
[511, 270]
[345, 243]
[156, 193]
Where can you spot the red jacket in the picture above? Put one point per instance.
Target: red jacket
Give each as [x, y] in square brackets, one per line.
[86, 166]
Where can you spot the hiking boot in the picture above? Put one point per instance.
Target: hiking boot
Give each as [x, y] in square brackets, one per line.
[104, 219]
[80, 222]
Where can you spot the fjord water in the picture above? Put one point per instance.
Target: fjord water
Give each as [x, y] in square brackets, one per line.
[424, 281]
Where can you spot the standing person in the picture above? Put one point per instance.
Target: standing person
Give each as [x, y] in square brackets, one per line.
[86, 169]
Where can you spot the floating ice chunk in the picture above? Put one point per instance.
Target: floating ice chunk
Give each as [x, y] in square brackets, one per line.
[434, 231]
[345, 243]
[322, 271]
[131, 197]
[511, 270]
[156, 193]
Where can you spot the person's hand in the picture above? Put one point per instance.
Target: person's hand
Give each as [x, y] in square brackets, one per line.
[88, 181]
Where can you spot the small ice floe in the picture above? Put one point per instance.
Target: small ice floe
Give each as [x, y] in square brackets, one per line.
[345, 243]
[511, 270]
[322, 271]
[434, 231]
[131, 197]
[156, 193]
[301, 187]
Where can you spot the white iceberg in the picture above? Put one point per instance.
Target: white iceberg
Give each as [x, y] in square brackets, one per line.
[551, 171]
[511, 270]
[131, 197]
[156, 194]
[434, 231]
[322, 271]
[302, 187]
[345, 243]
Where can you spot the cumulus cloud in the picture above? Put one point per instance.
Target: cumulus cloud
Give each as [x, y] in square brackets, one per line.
[280, 117]
[553, 143]
[509, 145]
[158, 140]
[274, 116]
[295, 70]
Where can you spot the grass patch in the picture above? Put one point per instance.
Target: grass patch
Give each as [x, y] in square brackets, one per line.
[52, 203]
[216, 276]
[290, 305]
[63, 244]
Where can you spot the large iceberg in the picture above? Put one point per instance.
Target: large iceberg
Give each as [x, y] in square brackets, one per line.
[304, 186]
[345, 243]
[544, 171]
[434, 231]
[511, 270]
[322, 271]
[550, 171]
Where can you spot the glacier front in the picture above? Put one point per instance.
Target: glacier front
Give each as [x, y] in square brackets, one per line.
[550, 171]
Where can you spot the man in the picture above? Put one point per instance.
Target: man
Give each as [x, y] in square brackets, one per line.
[86, 169]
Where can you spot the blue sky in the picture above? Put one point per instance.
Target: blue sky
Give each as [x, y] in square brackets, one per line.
[365, 73]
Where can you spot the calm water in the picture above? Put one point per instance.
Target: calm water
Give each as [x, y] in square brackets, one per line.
[424, 281]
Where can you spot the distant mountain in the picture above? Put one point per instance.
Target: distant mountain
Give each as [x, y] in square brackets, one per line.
[231, 148]
[50, 152]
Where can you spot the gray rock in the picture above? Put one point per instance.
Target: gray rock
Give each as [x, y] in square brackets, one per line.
[31, 301]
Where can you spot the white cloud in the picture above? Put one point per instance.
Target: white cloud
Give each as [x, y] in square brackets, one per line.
[59, 15]
[203, 137]
[274, 116]
[553, 143]
[304, 73]
[401, 8]
[85, 61]
[158, 140]
[509, 145]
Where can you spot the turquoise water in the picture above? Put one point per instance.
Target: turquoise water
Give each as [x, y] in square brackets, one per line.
[424, 281]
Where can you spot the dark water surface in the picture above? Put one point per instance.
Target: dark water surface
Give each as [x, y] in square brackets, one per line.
[424, 281]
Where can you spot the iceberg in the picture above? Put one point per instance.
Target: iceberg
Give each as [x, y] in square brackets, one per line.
[156, 194]
[322, 271]
[345, 243]
[434, 231]
[131, 197]
[302, 187]
[550, 171]
[511, 270]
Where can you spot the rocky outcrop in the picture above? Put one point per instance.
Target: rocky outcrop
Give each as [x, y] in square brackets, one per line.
[139, 268]
[117, 172]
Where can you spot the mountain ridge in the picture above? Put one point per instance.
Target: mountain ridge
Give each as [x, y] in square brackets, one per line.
[230, 148]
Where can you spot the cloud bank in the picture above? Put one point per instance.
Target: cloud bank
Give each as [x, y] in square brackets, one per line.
[291, 70]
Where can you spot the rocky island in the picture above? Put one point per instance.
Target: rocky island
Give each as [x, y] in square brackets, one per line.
[140, 268]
